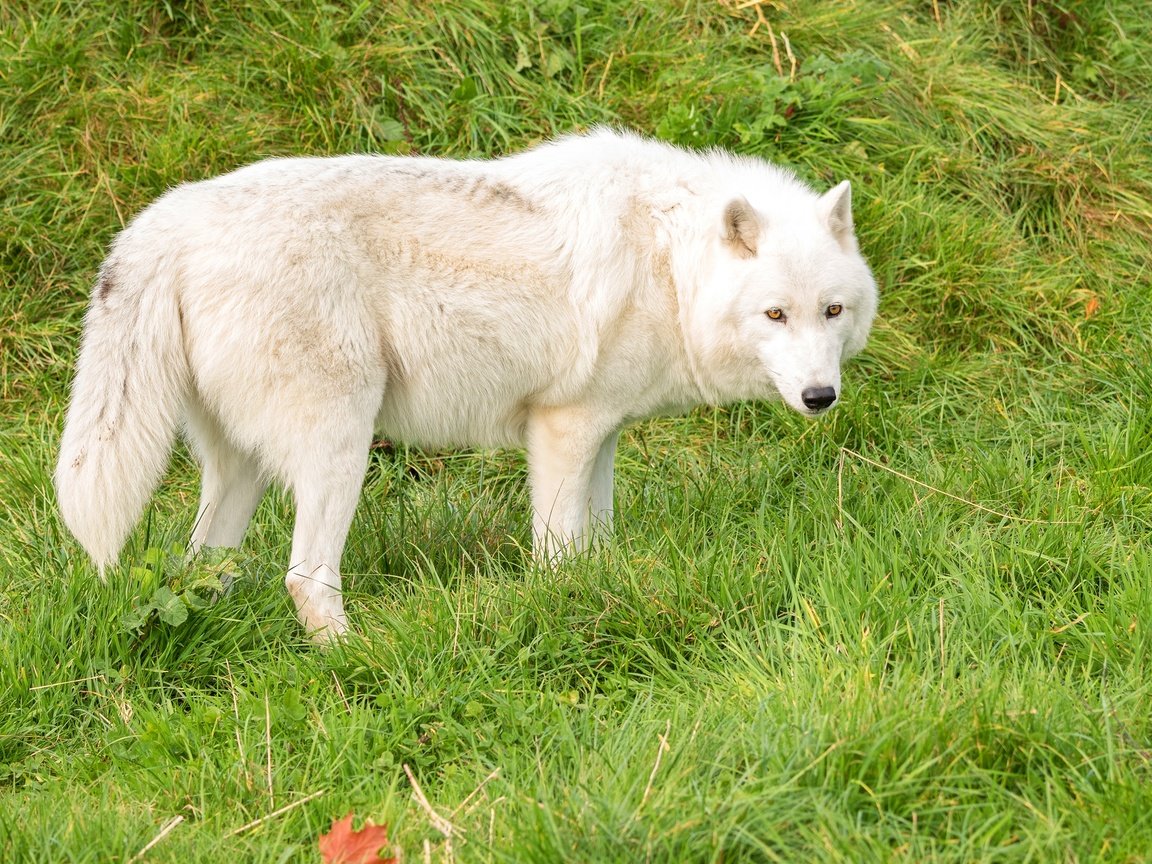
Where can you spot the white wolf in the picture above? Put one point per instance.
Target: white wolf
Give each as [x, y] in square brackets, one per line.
[287, 311]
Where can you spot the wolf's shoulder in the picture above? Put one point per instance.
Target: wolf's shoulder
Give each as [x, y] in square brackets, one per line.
[613, 155]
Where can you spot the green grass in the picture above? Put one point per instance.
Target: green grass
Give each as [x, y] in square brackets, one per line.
[919, 631]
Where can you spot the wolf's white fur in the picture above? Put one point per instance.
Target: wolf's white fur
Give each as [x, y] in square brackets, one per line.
[288, 310]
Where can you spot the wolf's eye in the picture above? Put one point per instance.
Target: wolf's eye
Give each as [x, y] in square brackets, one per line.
[775, 313]
[833, 310]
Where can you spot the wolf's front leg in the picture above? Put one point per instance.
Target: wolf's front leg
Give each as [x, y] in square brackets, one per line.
[603, 477]
[569, 469]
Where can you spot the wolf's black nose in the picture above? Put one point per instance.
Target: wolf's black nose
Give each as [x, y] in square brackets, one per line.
[818, 398]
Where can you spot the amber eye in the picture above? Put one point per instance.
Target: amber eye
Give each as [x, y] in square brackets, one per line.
[833, 310]
[775, 313]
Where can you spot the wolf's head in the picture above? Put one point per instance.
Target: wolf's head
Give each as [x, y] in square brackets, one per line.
[785, 296]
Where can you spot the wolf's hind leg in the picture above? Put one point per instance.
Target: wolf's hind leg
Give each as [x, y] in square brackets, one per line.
[326, 484]
[231, 486]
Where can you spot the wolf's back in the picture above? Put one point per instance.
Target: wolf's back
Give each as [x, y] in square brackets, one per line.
[127, 400]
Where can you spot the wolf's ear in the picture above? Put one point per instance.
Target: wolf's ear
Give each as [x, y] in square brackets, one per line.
[835, 207]
[741, 228]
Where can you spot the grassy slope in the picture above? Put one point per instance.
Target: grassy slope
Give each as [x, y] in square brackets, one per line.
[790, 652]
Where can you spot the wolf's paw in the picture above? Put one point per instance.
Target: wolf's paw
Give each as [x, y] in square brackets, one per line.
[325, 627]
[329, 634]
[319, 606]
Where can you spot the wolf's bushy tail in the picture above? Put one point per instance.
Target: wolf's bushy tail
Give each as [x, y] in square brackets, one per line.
[127, 400]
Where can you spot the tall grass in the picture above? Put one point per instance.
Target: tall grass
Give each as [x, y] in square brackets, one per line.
[918, 631]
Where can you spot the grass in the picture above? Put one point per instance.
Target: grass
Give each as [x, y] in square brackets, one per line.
[918, 631]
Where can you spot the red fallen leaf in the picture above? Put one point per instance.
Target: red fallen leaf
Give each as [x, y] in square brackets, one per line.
[1092, 306]
[342, 845]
